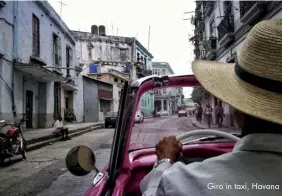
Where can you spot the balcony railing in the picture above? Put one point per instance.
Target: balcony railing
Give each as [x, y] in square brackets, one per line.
[251, 11]
[225, 30]
[208, 7]
[211, 47]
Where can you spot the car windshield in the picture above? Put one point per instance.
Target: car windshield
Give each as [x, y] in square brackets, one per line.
[184, 113]
[111, 114]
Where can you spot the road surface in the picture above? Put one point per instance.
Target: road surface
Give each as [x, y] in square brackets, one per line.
[44, 172]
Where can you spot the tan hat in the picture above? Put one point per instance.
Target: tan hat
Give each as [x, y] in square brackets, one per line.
[254, 84]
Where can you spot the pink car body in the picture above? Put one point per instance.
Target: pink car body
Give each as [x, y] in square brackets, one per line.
[138, 163]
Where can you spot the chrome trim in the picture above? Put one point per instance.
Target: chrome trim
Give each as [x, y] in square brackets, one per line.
[140, 81]
[97, 178]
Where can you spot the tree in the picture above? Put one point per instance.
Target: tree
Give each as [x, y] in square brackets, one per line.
[197, 94]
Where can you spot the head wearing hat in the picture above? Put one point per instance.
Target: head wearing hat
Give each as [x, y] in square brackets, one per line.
[254, 84]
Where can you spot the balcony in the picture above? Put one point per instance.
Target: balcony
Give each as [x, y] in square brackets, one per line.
[208, 7]
[250, 11]
[211, 49]
[225, 31]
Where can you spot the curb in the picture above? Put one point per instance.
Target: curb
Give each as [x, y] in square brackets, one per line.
[75, 133]
[51, 136]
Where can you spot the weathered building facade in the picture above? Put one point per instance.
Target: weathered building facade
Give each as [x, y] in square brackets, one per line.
[120, 58]
[220, 30]
[36, 47]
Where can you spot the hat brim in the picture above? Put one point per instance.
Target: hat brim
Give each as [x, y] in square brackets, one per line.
[221, 80]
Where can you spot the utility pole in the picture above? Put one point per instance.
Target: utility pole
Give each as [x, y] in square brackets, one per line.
[112, 28]
[117, 31]
[61, 7]
[149, 34]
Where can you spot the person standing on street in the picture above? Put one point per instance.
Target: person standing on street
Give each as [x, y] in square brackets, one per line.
[208, 113]
[60, 130]
[219, 113]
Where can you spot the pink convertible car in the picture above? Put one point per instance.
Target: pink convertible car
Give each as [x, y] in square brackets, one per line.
[133, 152]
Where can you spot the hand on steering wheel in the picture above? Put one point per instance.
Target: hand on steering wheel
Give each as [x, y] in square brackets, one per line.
[170, 147]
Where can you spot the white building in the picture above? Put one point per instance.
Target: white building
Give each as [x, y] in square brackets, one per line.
[34, 45]
[220, 30]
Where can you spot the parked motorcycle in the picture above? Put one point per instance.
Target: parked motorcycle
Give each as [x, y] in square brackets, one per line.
[12, 143]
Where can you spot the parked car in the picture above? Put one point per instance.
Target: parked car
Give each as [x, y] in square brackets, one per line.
[131, 159]
[110, 119]
[139, 117]
[164, 113]
[182, 113]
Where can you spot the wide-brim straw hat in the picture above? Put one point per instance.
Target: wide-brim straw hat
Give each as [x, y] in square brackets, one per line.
[253, 85]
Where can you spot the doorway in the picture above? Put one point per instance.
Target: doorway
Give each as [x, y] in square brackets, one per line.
[29, 109]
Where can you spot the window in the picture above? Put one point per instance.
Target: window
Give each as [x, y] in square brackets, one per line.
[212, 26]
[163, 72]
[138, 57]
[145, 61]
[122, 52]
[148, 100]
[35, 36]
[116, 80]
[164, 90]
[57, 51]
[69, 56]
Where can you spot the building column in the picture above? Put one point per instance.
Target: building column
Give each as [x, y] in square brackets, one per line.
[162, 104]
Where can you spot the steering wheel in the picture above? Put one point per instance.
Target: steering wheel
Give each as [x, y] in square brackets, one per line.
[203, 132]
[207, 132]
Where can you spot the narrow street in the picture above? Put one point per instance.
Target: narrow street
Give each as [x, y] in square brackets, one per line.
[44, 172]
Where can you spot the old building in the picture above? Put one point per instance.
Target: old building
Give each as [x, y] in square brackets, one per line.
[36, 48]
[220, 30]
[115, 78]
[123, 58]
[170, 98]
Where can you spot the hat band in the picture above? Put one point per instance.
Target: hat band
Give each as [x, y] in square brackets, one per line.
[258, 81]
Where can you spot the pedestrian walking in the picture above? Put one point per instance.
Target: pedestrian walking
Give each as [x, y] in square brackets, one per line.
[60, 130]
[208, 113]
[219, 112]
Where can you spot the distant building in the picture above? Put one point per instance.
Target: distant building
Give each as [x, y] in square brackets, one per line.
[169, 98]
[115, 78]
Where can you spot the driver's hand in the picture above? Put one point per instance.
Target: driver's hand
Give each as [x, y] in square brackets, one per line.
[169, 148]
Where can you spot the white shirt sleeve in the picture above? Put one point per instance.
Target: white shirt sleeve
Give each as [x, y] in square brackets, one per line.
[150, 183]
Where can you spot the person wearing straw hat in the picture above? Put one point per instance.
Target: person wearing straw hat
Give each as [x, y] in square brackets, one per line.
[253, 86]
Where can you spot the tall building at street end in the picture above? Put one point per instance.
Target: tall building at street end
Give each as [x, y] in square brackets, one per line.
[220, 30]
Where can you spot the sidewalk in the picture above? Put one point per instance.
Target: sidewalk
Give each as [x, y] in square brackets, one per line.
[203, 125]
[38, 138]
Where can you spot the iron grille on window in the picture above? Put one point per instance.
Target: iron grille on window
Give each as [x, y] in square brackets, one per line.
[245, 6]
[225, 26]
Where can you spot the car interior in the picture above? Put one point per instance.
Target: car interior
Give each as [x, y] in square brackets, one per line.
[142, 161]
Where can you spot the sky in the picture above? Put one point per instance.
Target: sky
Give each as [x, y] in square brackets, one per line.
[169, 33]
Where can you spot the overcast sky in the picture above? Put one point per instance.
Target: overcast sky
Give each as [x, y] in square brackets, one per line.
[169, 32]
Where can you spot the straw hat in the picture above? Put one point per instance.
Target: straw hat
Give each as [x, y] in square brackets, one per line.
[254, 84]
